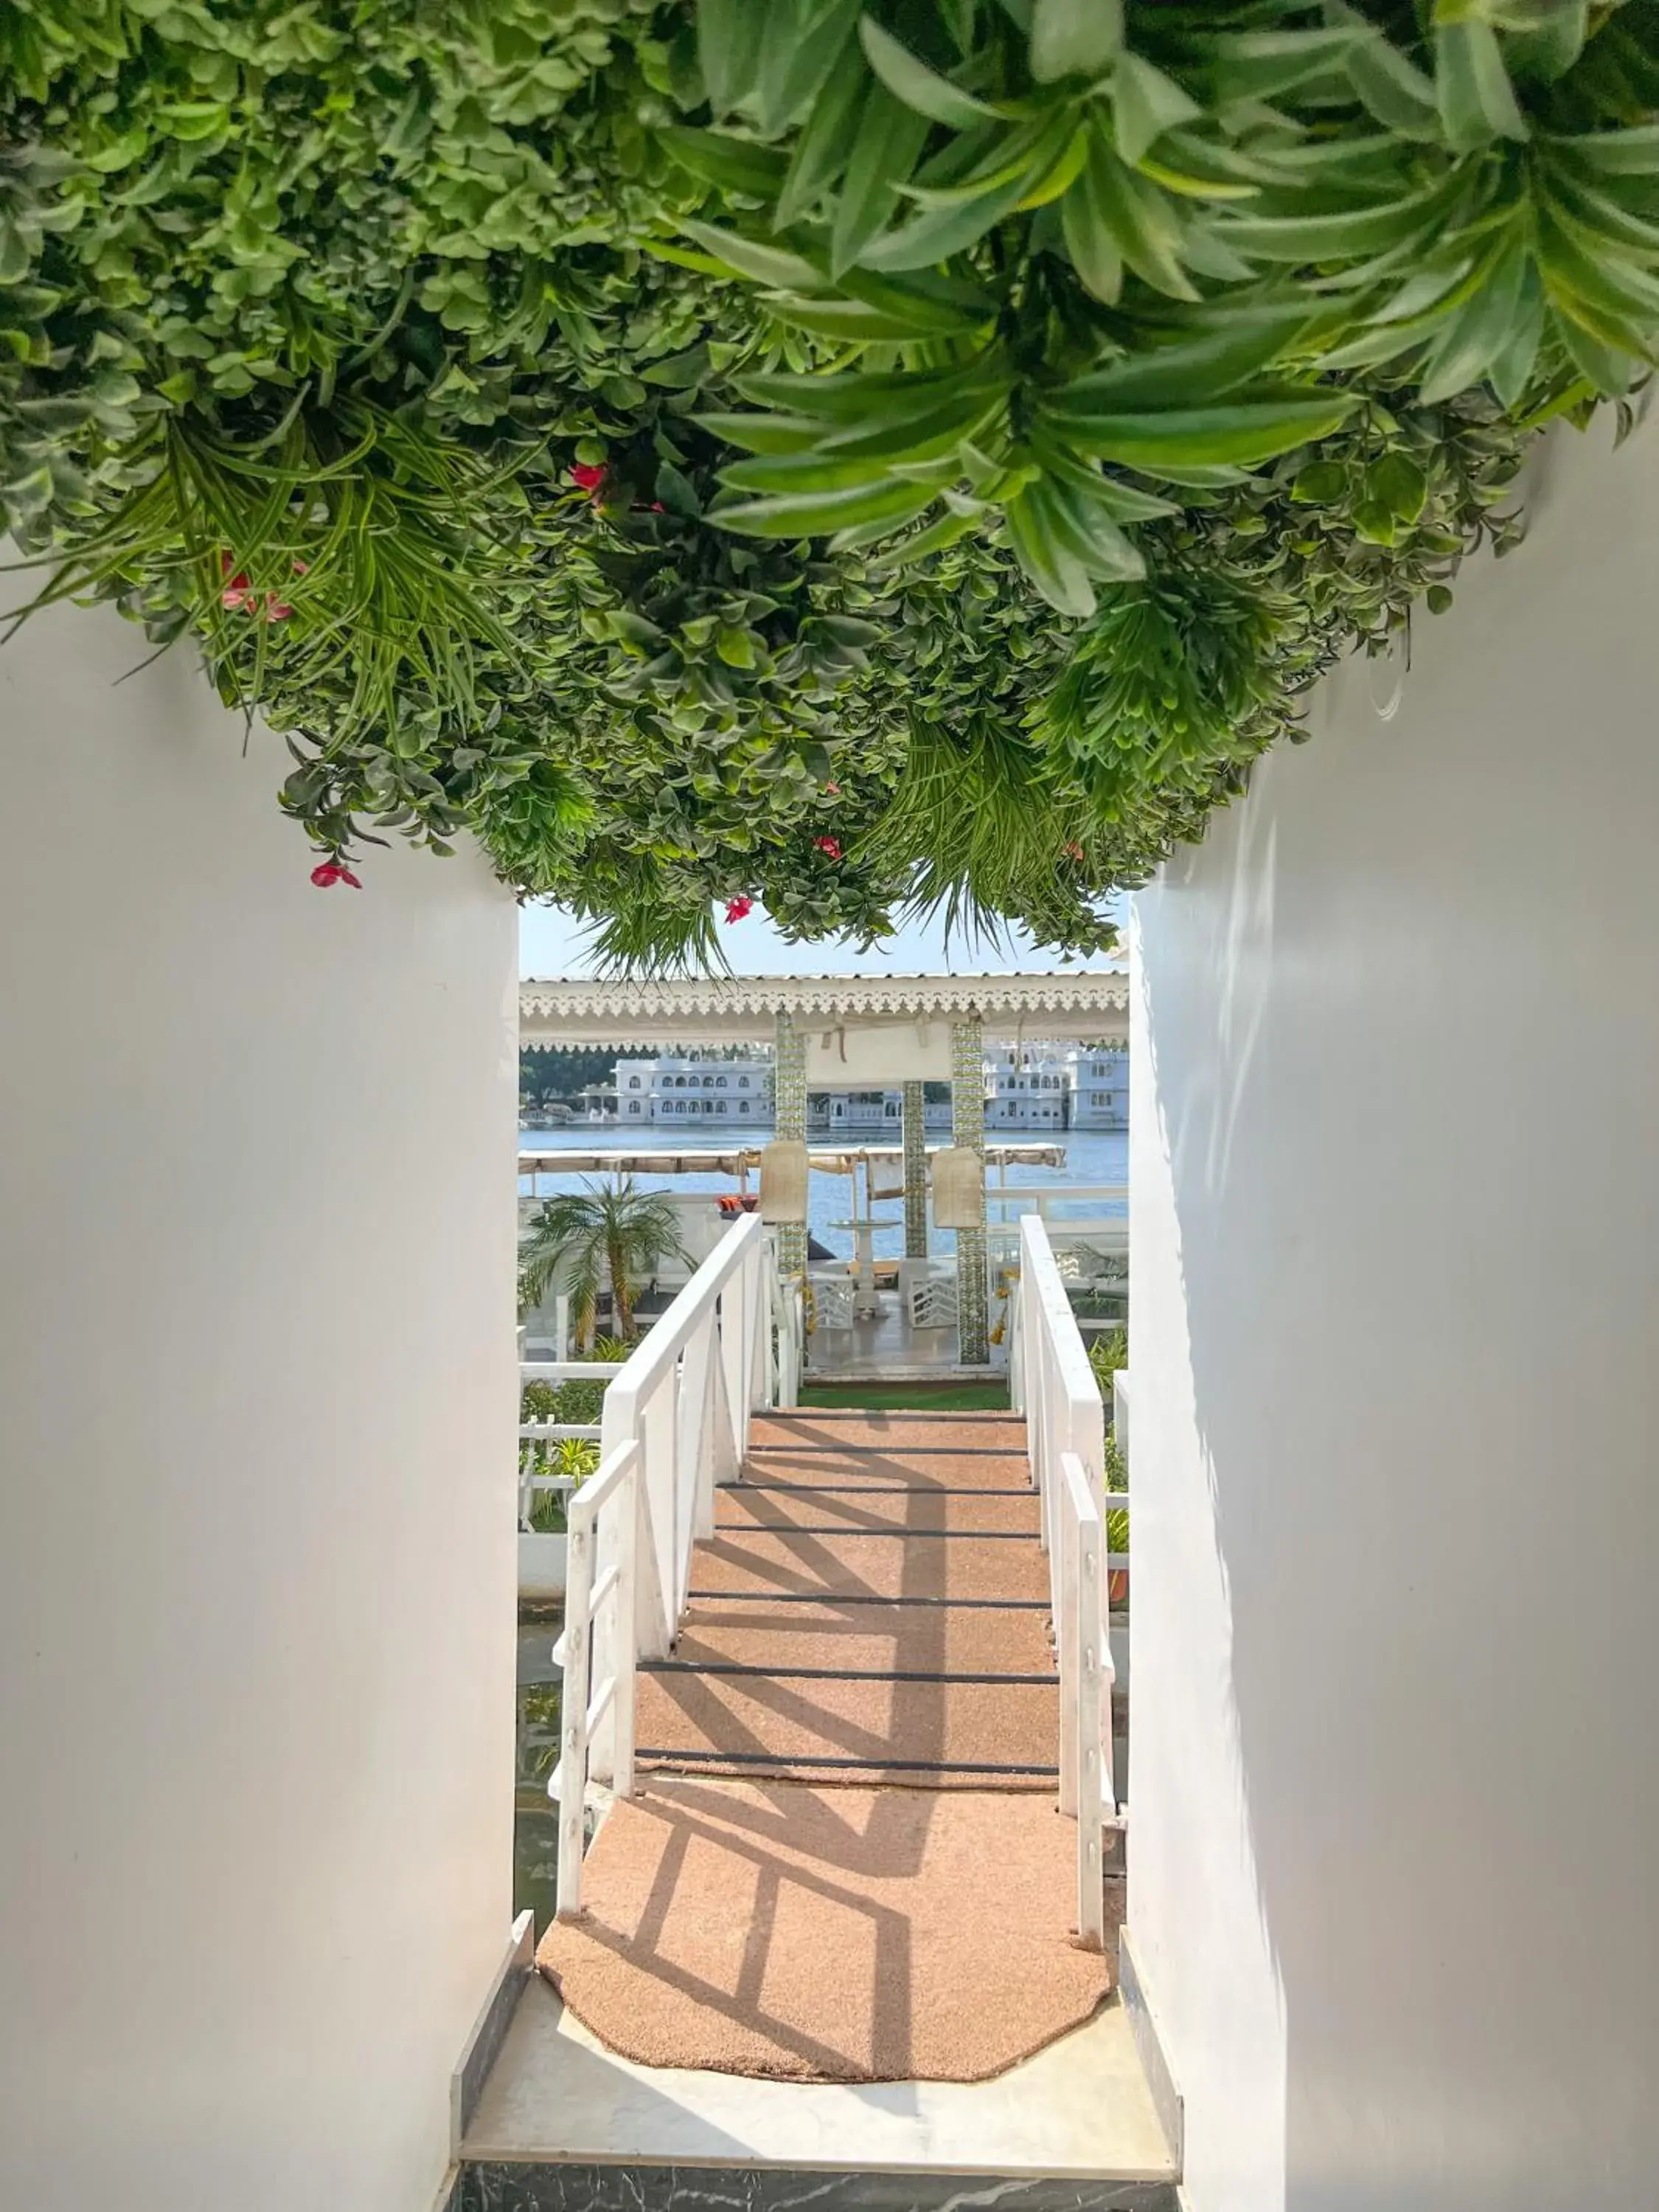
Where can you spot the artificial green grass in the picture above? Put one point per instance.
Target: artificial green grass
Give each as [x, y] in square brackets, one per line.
[908, 1397]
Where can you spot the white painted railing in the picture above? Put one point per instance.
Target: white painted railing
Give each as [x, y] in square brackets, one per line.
[597, 1608]
[533, 1477]
[1053, 1385]
[676, 1423]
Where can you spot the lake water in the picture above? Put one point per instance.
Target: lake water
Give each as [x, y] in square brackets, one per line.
[1092, 1156]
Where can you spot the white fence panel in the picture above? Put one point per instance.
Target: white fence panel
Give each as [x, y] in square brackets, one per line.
[676, 1423]
[1055, 1387]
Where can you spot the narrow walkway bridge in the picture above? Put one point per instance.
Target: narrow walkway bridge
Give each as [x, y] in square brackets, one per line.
[836, 1777]
[843, 1836]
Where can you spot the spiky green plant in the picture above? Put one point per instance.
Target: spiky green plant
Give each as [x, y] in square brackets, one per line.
[605, 1236]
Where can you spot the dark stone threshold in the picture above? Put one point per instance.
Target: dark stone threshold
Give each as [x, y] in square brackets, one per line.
[561, 2188]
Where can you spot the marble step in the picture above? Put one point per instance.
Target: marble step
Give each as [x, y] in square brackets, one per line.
[564, 2124]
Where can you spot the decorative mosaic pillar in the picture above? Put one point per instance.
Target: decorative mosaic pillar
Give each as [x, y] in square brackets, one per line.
[789, 1125]
[915, 1170]
[968, 1129]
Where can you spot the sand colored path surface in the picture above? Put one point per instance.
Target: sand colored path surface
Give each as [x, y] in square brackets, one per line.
[845, 1861]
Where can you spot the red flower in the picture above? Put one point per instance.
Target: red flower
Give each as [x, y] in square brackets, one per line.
[329, 872]
[829, 845]
[240, 598]
[739, 910]
[1072, 849]
[589, 477]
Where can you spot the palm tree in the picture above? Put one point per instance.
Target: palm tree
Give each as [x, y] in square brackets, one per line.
[605, 1234]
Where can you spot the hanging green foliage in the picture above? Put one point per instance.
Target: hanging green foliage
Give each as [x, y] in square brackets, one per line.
[845, 456]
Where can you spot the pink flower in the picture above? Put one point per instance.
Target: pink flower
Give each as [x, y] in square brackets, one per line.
[829, 845]
[832, 791]
[329, 872]
[740, 909]
[276, 610]
[1072, 849]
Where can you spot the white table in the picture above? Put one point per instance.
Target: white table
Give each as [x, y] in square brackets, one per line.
[868, 1305]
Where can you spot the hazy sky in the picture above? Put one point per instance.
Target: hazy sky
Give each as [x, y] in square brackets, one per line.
[550, 943]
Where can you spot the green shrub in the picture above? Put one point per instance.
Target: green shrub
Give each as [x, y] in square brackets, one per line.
[775, 449]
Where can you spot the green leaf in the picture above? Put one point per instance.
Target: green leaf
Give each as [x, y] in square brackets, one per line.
[761, 263]
[852, 321]
[820, 152]
[763, 434]
[1322, 484]
[1632, 153]
[676, 491]
[1146, 103]
[15, 258]
[1256, 65]
[890, 137]
[731, 165]
[937, 232]
[1137, 219]
[1394, 89]
[1352, 235]
[1057, 572]
[1240, 434]
[816, 515]
[1606, 352]
[927, 302]
[1543, 41]
[1074, 37]
[947, 531]
[1399, 484]
[912, 81]
[731, 35]
[795, 66]
[1090, 245]
[1124, 503]
[1374, 522]
[1477, 332]
[1511, 367]
[1206, 367]
[858, 399]
[1471, 86]
[1086, 530]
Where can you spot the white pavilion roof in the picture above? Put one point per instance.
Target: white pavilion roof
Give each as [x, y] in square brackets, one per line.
[1085, 1005]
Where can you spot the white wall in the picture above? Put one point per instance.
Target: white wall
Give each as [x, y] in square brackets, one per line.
[256, 1464]
[1395, 1792]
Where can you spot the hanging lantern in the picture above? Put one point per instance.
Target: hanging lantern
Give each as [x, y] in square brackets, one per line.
[959, 1187]
[783, 1173]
